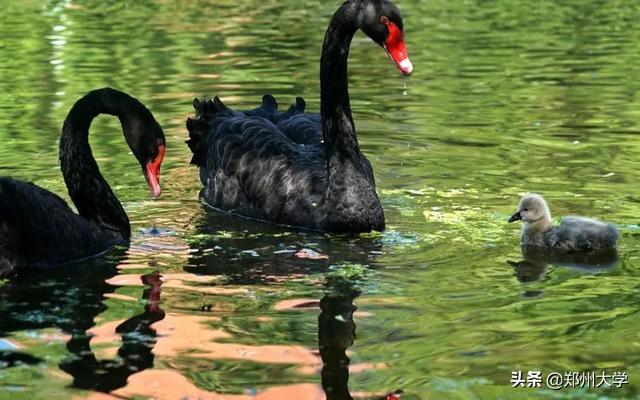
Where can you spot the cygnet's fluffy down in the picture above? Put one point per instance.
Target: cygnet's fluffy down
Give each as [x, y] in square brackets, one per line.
[573, 233]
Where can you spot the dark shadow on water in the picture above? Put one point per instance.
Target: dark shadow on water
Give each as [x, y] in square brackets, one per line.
[10, 359]
[69, 299]
[275, 257]
[534, 263]
[249, 252]
[135, 354]
[336, 333]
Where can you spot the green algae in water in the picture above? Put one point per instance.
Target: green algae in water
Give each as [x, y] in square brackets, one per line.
[503, 100]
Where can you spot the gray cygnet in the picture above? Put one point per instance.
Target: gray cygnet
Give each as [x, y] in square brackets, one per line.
[573, 233]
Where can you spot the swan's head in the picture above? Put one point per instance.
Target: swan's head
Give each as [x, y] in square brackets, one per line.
[532, 208]
[146, 140]
[382, 22]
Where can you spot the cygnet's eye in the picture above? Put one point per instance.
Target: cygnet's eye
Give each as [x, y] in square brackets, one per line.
[525, 209]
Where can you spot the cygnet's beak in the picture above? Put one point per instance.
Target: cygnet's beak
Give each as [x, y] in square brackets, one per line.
[516, 217]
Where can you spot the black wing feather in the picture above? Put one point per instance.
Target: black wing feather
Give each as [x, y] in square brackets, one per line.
[253, 162]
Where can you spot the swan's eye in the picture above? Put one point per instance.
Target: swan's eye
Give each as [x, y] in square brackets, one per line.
[525, 209]
[384, 20]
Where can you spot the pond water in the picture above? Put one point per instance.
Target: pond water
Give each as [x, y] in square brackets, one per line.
[506, 98]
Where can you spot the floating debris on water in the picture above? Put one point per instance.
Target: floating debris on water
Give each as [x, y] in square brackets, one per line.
[155, 231]
[391, 237]
[286, 251]
[8, 345]
[311, 254]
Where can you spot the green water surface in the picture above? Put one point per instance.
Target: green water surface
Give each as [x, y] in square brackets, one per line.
[507, 97]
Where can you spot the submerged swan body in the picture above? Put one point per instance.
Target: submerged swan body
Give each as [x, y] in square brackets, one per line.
[573, 233]
[38, 229]
[295, 168]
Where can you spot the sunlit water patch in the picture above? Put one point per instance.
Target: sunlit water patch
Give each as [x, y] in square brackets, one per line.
[505, 99]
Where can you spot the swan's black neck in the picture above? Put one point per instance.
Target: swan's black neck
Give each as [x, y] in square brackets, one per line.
[351, 201]
[89, 191]
[337, 122]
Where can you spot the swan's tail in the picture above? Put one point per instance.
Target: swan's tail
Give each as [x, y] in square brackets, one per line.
[198, 127]
[266, 110]
[269, 109]
[299, 107]
[269, 104]
[211, 112]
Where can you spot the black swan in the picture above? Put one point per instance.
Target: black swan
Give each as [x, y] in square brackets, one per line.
[38, 229]
[293, 168]
[573, 233]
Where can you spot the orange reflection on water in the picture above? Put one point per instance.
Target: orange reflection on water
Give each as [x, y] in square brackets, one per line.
[178, 333]
[309, 304]
[297, 304]
[122, 297]
[176, 281]
[161, 384]
[197, 337]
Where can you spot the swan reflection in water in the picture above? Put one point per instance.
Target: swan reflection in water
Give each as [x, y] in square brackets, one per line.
[535, 261]
[247, 253]
[336, 333]
[135, 354]
[69, 299]
[276, 258]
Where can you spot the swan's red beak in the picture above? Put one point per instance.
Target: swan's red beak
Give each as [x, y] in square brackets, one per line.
[152, 172]
[397, 49]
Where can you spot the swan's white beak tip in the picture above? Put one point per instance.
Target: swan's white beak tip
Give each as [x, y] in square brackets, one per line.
[405, 66]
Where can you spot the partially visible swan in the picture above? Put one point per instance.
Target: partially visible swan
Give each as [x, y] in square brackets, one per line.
[295, 168]
[573, 233]
[38, 229]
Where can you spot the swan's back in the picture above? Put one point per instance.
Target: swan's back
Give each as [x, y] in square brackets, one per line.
[298, 126]
[261, 163]
[579, 233]
[39, 230]
[273, 166]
